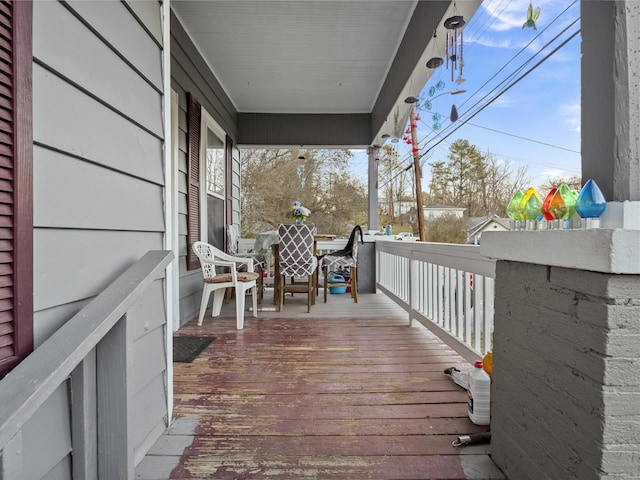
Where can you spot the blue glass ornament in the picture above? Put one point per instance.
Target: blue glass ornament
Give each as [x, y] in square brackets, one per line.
[591, 204]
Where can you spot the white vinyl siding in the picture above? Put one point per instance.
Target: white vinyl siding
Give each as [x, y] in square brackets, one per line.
[98, 193]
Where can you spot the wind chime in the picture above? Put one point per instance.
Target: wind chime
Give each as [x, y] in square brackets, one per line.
[455, 46]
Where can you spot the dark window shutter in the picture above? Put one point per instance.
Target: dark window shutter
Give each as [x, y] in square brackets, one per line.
[228, 147]
[16, 198]
[194, 113]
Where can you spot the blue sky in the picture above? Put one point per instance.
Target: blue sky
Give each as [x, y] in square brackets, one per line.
[536, 122]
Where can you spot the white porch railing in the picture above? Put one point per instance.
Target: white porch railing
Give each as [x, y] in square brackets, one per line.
[448, 288]
[93, 353]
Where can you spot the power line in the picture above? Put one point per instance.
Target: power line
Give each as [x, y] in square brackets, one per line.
[461, 123]
[524, 138]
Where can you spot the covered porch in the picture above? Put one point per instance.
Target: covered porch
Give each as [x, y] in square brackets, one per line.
[347, 391]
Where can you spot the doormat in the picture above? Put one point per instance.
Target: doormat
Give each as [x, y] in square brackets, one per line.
[186, 349]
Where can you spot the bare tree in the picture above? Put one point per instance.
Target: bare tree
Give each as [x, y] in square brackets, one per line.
[319, 179]
[396, 178]
[446, 229]
[574, 182]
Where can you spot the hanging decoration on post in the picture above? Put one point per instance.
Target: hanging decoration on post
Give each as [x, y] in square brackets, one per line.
[455, 45]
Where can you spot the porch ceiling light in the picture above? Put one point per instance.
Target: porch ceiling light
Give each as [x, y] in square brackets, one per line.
[411, 100]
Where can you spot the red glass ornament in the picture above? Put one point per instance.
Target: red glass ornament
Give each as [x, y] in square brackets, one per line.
[547, 201]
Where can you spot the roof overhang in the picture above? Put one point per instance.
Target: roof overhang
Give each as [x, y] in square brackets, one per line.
[319, 73]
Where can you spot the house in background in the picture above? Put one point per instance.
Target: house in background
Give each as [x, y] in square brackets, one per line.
[479, 225]
[396, 207]
[433, 212]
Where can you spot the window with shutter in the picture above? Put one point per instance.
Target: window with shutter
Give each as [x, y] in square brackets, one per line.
[16, 198]
[229, 180]
[194, 114]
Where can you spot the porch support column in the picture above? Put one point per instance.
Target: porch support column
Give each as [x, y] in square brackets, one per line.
[610, 71]
[372, 218]
[565, 397]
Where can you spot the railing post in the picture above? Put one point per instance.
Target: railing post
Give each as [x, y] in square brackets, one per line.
[115, 374]
[11, 461]
[414, 289]
[84, 436]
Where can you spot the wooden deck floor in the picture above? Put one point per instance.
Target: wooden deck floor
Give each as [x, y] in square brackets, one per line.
[346, 392]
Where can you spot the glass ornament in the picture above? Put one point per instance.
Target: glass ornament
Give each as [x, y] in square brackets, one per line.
[530, 207]
[558, 210]
[590, 204]
[547, 201]
[512, 210]
[569, 196]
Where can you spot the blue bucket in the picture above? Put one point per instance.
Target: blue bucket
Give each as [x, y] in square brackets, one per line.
[338, 288]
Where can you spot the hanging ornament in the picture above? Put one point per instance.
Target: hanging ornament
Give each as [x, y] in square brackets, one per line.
[435, 61]
[532, 16]
[455, 45]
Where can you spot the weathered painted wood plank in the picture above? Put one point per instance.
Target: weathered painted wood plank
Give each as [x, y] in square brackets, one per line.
[433, 467]
[368, 398]
[294, 396]
[227, 447]
[272, 425]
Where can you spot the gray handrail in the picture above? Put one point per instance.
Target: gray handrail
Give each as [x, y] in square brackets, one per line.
[29, 384]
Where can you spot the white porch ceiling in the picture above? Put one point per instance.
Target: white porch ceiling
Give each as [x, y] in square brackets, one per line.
[307, 56]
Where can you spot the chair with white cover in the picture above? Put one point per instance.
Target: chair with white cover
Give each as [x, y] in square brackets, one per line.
[297, 260]
[212, 260]
[347, 258]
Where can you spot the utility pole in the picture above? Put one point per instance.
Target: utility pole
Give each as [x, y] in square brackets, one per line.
[416, 173]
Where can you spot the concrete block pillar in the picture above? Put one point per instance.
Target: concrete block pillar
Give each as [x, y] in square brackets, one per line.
[566, 396]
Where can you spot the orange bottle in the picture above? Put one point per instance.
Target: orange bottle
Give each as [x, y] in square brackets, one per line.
[487, 363]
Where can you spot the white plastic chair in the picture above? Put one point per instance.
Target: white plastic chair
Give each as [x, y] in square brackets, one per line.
[210, 258]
